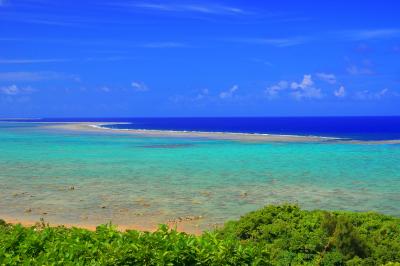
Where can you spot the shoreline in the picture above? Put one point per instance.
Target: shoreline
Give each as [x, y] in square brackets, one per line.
[245, 137]
[182, 226]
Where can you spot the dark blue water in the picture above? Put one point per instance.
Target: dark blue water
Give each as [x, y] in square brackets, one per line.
[359, 128]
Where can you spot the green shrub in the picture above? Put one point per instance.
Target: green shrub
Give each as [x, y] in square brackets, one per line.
[296, 236]
[274, 235]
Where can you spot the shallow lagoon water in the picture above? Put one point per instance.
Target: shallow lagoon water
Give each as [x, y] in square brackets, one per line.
[88, 178]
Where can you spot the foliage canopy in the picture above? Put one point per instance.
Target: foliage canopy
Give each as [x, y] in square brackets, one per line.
[274, 235]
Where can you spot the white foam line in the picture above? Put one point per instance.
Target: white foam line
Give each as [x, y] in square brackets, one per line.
[103, 126]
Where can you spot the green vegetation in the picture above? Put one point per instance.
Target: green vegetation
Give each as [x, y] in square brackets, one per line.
[274, 235]
[288, 235]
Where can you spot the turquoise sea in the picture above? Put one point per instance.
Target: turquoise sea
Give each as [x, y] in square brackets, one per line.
[89, 178]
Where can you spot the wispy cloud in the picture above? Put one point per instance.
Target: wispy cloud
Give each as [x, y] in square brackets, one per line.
[13, 90]
[139, 86]
[36, 76]
[105, 89]
[261, 61]
[229, 93]
[337, 36]
[103, 59]
[371, 34]
[202, 94]
[370, 95]
[278, 42]
[23, 61]
[363, 48]
[211, 9]
[32, 61]
[42, 18]
[164, 45]
[327, 77]
[356, 70]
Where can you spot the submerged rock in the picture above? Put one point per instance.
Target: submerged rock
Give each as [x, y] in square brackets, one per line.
[243, 194]
[186, 218]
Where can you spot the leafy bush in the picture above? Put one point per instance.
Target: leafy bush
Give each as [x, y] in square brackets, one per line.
[294, 236]
[274, 235]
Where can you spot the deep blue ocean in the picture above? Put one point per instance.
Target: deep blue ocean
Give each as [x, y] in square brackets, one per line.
[358, 128]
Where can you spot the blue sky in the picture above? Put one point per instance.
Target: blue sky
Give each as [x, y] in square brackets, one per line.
[199, 58]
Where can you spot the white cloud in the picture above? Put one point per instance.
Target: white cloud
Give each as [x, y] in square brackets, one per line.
[10, 90]
[305, 83]
[275, 89]
[341, 92]
[105, 89]
[164, 45]
[356, 70]
[35, 76]
[229, 93]
[383, 92]
[309, 93]
[139, 86]
[368, 95]
[211, 9]
[202, 94]
[32, 61]
[305, 89]
[330, 78]
[341, 36]
[371, 34]
[15, 90]
[278, 42]
[264, 62]
[298, 90]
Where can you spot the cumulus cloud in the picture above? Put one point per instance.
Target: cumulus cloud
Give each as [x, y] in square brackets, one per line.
[330, 78]
[305, 83]
[229, 93]
[305, 89]
[298, 90]
[139, 86]
[341, 92]
[275, 89]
